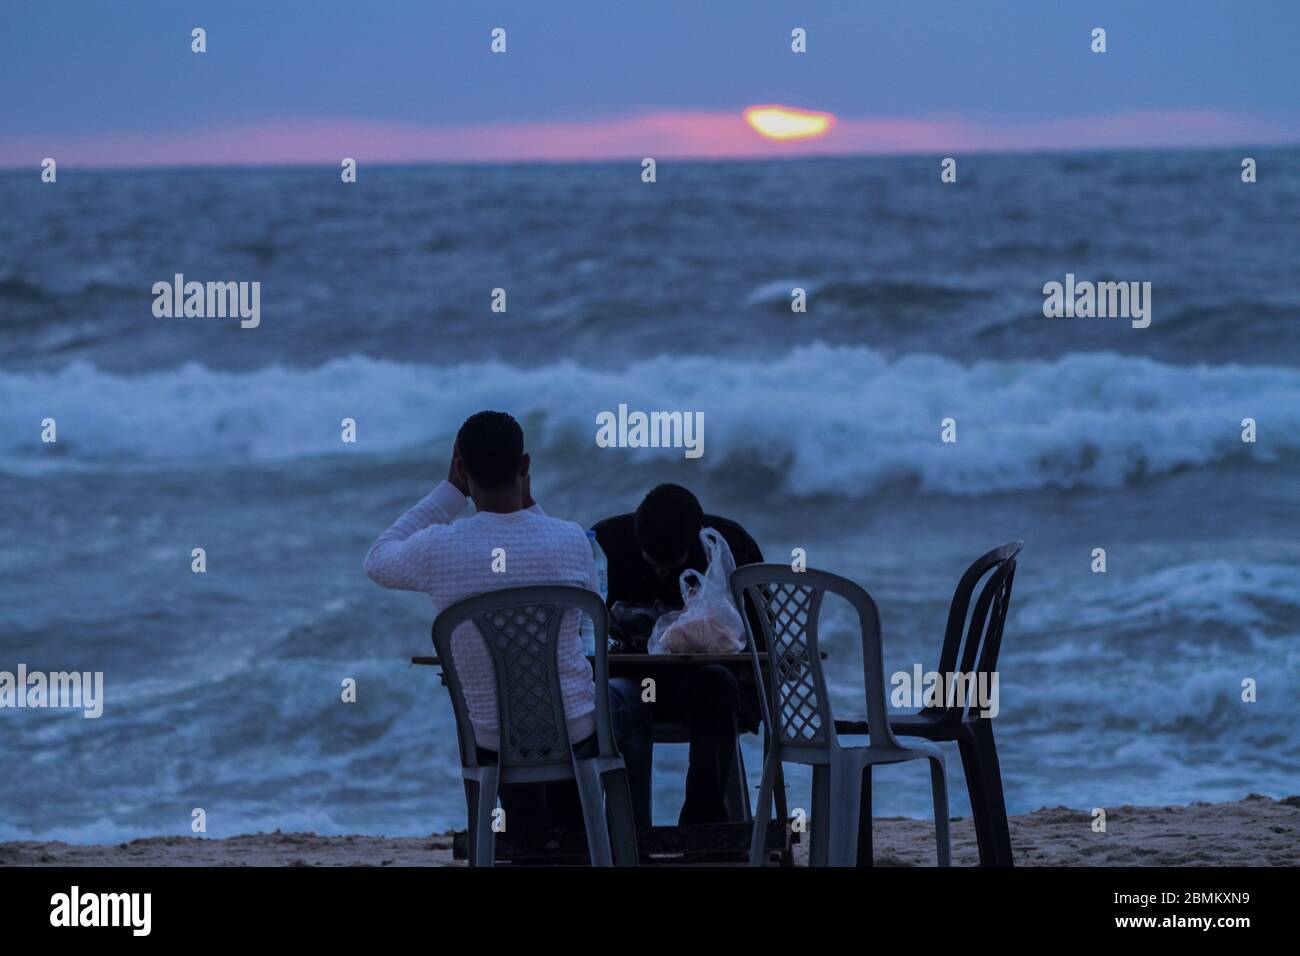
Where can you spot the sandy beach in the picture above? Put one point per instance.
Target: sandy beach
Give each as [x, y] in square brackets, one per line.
[1256, 831]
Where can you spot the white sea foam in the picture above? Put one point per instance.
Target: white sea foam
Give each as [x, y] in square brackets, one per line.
[839, 420]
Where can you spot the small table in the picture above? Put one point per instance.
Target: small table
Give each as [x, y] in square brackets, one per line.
[623, 661]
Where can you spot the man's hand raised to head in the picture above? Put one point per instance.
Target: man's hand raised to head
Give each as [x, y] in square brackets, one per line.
[453, 474]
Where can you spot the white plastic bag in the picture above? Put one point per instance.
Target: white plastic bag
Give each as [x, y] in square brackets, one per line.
[708, 622]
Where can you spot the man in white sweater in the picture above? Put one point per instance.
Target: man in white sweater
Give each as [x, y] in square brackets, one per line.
[427, 550]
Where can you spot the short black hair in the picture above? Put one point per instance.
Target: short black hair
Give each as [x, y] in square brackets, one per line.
[668, 522]
[491, 446]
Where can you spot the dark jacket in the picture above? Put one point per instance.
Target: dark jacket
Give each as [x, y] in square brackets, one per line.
[633, 580]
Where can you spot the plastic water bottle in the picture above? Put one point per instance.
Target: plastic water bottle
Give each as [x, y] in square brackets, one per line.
[588, 629]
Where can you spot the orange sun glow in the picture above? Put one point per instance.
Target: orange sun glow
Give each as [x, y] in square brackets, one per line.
[787, 123]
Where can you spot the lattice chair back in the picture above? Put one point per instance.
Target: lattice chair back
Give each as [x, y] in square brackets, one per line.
[520, 627]
[797, 705]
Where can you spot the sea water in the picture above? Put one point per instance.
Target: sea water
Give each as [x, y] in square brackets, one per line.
[222, 689]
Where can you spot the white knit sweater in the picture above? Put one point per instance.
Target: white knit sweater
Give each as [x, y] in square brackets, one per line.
[427, 550]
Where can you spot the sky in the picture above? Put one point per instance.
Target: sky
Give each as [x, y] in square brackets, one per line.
[114, 82]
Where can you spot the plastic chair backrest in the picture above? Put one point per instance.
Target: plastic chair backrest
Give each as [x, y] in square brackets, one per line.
[520, 627]
[797, 705]
[975, 635]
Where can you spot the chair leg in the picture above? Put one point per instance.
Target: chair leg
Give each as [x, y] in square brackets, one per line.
[739, 809]
[819, 853]
[483, 842]
[471, 817]
[865, 850]
[593, 812]
[763, 810]
[999, 832]
[782, 803]
[846, 806]
[939, 784]
[972, 767]
[622, 821]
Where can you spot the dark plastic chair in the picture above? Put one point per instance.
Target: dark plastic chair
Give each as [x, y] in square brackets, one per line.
[797, 709]
[958, 722]
[520, 628]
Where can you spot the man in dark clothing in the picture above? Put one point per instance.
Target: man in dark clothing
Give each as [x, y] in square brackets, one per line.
[647, 552]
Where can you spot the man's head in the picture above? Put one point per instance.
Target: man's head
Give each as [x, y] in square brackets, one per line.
[667, 527]
[491, 449]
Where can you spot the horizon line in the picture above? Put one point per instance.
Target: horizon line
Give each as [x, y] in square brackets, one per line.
[689, 136]
[290, 164]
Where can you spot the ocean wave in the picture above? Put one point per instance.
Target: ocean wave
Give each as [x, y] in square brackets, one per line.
[19, 289]
[831, 420]
[1161, 652]
[96, 281]
[1237, 601]
[867, 293]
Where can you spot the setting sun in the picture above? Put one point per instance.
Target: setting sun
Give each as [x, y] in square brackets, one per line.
[786, 123]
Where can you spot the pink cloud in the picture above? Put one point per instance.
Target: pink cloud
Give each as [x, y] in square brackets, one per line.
[661, 134]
